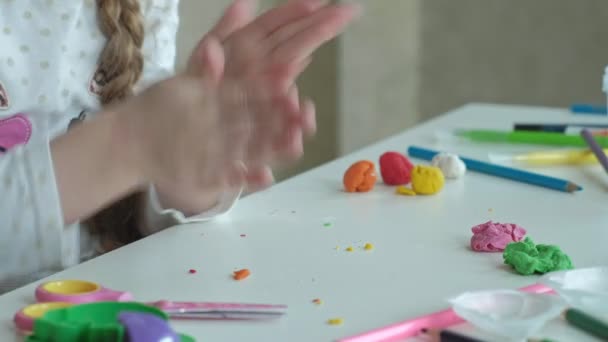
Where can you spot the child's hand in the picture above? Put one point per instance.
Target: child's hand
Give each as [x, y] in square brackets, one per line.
[236, 110]
[273, 49]
[194, 136]
[208, 129]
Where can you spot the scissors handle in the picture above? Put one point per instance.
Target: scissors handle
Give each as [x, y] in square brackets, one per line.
[78, 291]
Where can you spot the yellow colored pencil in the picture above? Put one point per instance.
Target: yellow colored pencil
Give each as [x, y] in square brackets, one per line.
[547, 158]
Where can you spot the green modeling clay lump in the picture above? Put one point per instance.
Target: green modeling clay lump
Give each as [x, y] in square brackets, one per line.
[527, 258]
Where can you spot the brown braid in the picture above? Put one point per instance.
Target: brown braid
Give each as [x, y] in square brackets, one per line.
[121, 66]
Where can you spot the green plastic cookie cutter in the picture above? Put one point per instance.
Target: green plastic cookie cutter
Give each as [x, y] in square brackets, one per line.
[94, 322]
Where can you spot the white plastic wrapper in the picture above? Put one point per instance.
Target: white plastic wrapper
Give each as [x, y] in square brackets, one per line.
[585, 288]
[510, 314]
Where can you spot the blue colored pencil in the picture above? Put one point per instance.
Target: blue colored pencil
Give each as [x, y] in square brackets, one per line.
[502, 171]
[581, 108]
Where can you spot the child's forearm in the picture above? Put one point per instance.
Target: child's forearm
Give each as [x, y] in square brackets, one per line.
[95, 164]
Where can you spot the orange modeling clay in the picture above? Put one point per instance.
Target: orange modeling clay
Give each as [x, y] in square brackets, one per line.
[360, 177]
[241, 274]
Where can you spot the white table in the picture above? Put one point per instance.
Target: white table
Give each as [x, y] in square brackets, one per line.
[421, 256]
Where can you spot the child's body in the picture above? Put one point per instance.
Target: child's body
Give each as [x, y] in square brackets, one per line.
[47, 80]
[50, 82]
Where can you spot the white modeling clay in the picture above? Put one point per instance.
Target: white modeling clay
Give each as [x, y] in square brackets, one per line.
[450, 164]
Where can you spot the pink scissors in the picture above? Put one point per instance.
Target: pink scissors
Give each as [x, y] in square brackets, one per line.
[62, 293]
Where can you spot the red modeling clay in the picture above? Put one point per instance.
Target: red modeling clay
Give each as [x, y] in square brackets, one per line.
[395, 168]
[360, 177]
[192, 271]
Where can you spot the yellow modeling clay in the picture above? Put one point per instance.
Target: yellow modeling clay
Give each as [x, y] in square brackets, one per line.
[335, 321]
[427, 180]
[404, 190]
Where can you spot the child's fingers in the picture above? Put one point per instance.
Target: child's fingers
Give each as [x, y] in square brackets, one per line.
[287, 32]
[207, 60]
[309, 120]
[302, 65]
[259, 151]
[237, 118]
[269, 143]
[292, 73]
[236, 175]
[289, 145]
[265, 126]
[239, 14]
[294, 143]
[278, 78]
[293, 98]
[258, 178]
[272, 126]
[272, 20]
[212, 60]
[306, 111]
[320, 28]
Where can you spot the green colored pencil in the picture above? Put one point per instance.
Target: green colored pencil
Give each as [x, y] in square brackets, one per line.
[528, 137]
[586, 323]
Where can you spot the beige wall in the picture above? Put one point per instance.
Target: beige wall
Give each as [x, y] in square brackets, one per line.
[378, 81]
[541, 52]
[409, 60]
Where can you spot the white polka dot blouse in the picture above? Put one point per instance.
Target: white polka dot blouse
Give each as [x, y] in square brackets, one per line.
[49, 80]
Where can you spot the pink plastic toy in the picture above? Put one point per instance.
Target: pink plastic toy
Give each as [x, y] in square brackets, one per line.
[78, 291]
[62, 293]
